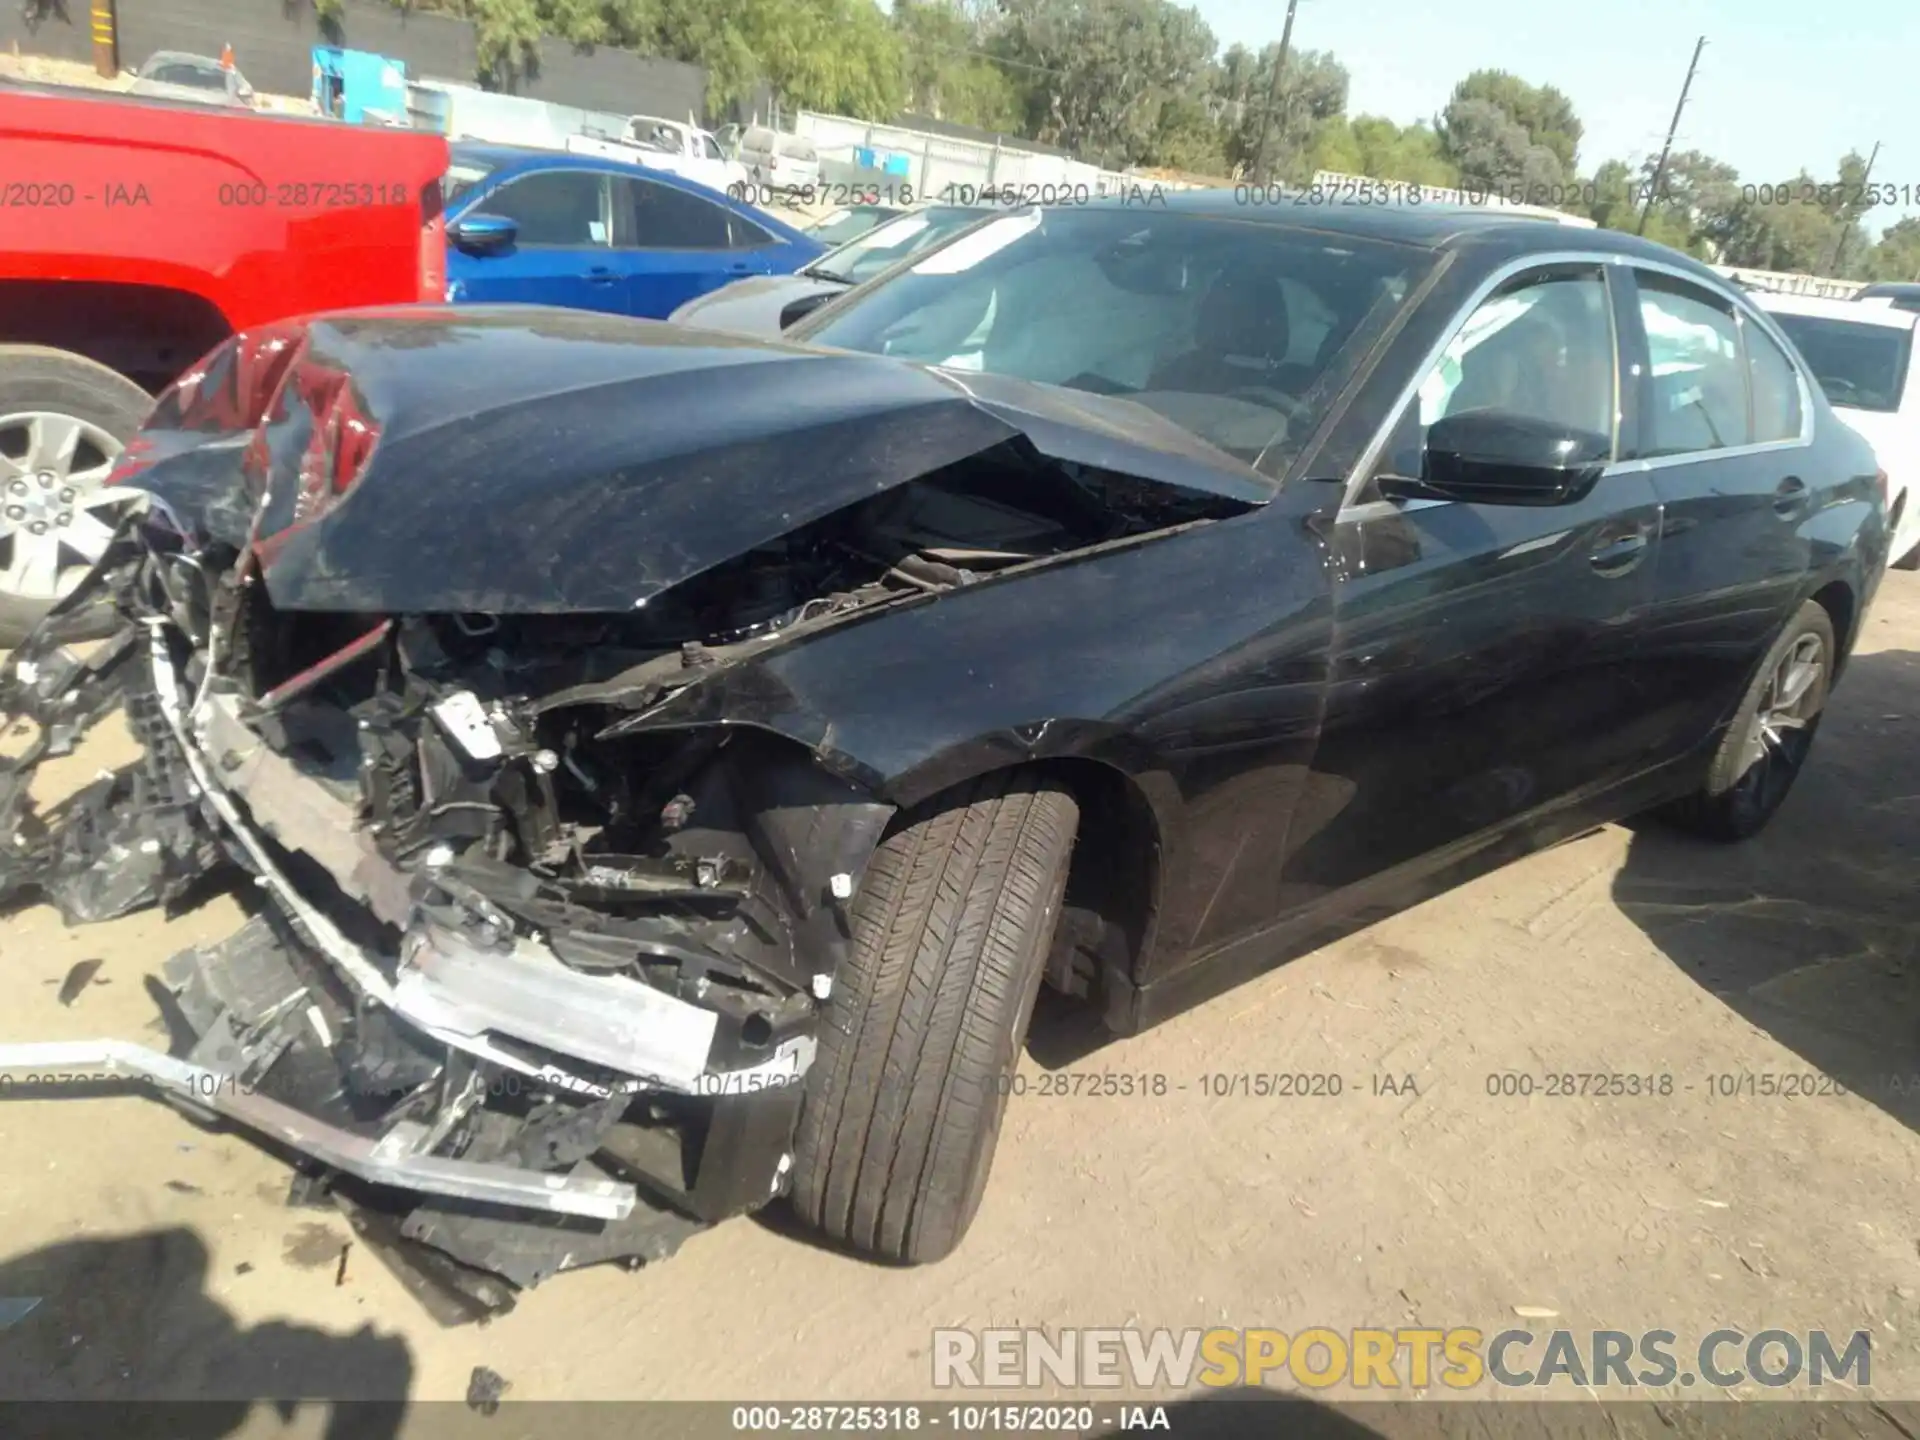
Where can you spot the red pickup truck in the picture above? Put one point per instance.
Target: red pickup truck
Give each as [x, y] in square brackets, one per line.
[138, 235]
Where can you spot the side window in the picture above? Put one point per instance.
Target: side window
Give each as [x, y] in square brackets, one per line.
[1541, 347]
[659, 217]
[553, 207]
[710, 149]
[1776, 389]
[1697, 395]
[745, 235]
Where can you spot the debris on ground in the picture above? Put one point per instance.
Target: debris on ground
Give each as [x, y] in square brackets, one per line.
[78, 978]
[485, 1388]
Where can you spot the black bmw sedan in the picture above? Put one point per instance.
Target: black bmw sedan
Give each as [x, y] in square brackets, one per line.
[679, 760]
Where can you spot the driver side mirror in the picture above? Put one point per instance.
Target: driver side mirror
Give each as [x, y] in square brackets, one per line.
[483, 234]
[1493, 457]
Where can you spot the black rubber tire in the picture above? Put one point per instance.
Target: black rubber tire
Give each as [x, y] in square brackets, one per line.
[1721, 809]
[951, 930]
[33, 377]
[1908, 561]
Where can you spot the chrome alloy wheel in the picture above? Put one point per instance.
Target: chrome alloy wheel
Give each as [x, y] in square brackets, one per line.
[1782, 730]
[53, 471]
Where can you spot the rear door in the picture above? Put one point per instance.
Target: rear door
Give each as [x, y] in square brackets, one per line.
[1485, 660]
[672, 245]
[1725, 437]
[562, 253]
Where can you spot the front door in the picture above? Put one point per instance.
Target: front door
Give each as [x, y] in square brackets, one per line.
[1484, 659]
[562, 253]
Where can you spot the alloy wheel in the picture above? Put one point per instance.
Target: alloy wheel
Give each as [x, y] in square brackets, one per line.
[1783, 722]
[53, 471]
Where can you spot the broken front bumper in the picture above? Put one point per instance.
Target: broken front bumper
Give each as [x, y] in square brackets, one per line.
[456, 1026]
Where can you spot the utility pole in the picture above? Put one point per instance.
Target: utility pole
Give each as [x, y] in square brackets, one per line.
[1273, 95]
[106, 39]
[1660, 168]
[1846, 219]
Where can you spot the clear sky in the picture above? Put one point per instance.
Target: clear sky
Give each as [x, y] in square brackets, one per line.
[1781, 85]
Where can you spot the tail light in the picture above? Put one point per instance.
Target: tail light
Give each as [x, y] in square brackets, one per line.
[341, 444]
[433, 245]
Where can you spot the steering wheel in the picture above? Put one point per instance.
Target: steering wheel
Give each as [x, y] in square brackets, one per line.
[1272, 399]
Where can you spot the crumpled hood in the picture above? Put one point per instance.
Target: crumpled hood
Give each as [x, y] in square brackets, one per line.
[520, 459]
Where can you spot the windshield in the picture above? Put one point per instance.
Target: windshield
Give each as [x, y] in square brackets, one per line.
[461, 177]
[849, 222]
[1862, 366]
[890, 243]
[1239, 331]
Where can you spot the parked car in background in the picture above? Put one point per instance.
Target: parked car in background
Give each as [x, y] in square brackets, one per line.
[704, 749]
[1862, 355]
[543, 228]
[778, 161]
[850, 222]
[767, 304]
[684, 149]
[1900, 295]
[177, 75]
[162, 227]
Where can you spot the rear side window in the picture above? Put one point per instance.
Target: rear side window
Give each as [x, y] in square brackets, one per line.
[1776, 390]
[1861, 366]
[552, 207]
[660, 217]
[1698, 388]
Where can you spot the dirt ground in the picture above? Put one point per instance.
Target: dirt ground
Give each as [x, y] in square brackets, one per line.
[169, 1265]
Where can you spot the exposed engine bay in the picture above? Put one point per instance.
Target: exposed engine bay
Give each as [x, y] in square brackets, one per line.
[539, 977]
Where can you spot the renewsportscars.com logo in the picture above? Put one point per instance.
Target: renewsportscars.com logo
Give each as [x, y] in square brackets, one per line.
[1402, 1358]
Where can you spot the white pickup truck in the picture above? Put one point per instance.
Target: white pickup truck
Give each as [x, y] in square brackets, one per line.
[667, 145]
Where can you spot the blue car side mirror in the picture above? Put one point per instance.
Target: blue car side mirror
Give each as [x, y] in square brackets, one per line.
[483, 234]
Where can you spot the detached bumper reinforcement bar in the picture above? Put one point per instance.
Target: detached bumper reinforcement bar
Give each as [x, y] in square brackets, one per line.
[387, 1160]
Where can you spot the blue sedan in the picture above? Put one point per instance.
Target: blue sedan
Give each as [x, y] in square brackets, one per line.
[544, 228]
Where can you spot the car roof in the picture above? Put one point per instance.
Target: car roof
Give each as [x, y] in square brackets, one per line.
[1852, 311]
[182, 57]
[531, 157]
[1429, 224]
[526, 157]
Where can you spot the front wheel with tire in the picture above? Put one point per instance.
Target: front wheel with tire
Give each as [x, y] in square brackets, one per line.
[1767, 744]
[951, 931]
[63, 422]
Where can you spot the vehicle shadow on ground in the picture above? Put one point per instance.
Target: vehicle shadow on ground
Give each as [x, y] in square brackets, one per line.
[130, 1319]
[1811, 930]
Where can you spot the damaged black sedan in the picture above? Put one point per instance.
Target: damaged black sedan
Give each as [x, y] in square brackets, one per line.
[672, 763]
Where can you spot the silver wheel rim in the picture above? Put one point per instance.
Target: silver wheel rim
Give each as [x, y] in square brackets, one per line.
[53, 471]
[1779, 738]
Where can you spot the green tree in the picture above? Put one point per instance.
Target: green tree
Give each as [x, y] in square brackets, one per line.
[1099, 72]
[1896, 256]
[1278, 130]
[944, 73]
[1493, 152]
[1544, 117]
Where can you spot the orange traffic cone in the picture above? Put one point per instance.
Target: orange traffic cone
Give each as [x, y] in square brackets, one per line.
[226, 57]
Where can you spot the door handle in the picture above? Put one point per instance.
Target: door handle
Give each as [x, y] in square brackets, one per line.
[600, 275]
[1788, 499]
[1620, 555]
[740, 267]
